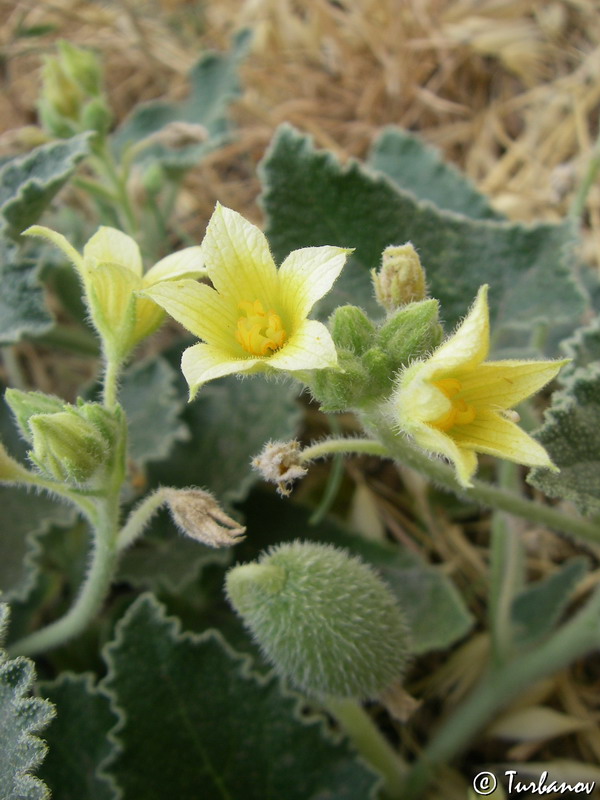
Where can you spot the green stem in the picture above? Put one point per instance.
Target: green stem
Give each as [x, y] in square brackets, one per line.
[334, 445]
[60, 490]
[370, 743]
[105, 166]
[579, 201]
[91, 595]
[111, 382]
[139, 518]
[576, 638]
[506, 568]
[400, 448]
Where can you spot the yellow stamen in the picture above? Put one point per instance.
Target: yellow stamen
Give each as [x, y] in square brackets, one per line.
[460, 412]
[258, 332]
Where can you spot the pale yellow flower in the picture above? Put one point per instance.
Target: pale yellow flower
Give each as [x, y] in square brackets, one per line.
[255, 317]
[112, 274]
[456, 404]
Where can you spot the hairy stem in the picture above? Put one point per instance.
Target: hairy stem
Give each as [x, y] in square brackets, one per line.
[139, 518]
[370, 743]
[486, 494]
[576, 638]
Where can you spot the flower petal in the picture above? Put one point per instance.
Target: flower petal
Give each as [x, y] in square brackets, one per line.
[108, 245]
[187, 263]
[310, 347]
[308, 274]
[436, 441]
[205, 362]
[504, 384]
[59, 241]
[492, 433]
[469, 344]
[201, 310]
[238, 259]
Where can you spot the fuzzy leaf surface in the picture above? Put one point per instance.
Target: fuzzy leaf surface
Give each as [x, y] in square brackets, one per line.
[22, 717]
[28, 183]
[229, 422]
[214, 84]
[538, 608]
[23, 309]
[571, 430]
[78, 740]
[151, 398]
[234, 735]
[310, 199]
[435, 611]
[419, 168]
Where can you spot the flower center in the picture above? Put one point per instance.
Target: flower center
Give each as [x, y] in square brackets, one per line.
[258, 332]
[461, 412]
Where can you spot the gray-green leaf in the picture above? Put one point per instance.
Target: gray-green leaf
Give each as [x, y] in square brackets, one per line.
[196, 723]
[311, 200]
[23, 309]
[21, 718]
[419, 168]
[78, 740]
[28, 183]
[214, 85]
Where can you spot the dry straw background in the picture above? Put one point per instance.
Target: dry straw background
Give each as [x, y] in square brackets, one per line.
[509, 90]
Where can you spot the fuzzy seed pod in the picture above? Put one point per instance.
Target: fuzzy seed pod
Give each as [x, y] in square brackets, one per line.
[324, 619]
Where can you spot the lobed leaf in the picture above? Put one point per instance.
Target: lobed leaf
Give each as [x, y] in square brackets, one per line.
[23, 309]
[28, 183]
[571, 430]
[419, 168]
[214, 85]
[21, 718]
[78, 740]
[229, 422]
[310, 199]
[233, 734]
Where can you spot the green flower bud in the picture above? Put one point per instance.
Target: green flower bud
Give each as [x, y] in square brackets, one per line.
[401, 278]
[96, 116]
[25, 405]
[351, 329]
[70, 100]
[412, 332]
[324, 619]
[66, 447]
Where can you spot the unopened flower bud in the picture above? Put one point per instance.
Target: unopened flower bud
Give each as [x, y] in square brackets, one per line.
[197, 514]
[25, 405]
[401, 278]
[324, 618]
[351, 329]
[67, 447]
[279, 463]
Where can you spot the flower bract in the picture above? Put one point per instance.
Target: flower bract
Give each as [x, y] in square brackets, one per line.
[112, 274]
[457, 404]
[255, 316]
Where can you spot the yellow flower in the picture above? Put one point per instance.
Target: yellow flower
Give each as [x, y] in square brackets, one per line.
[456, 404]
[112, 274]
[255, 317]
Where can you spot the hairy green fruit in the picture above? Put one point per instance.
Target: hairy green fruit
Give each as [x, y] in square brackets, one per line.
[323, 618]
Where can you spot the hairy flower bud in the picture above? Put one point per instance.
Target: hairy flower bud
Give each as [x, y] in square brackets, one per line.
[25, 405]
[66, 447]
[401, 278]
[197, 514]
[324, 619]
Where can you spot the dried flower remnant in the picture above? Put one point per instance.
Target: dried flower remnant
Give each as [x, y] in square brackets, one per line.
[280, 463]
[198, 515]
